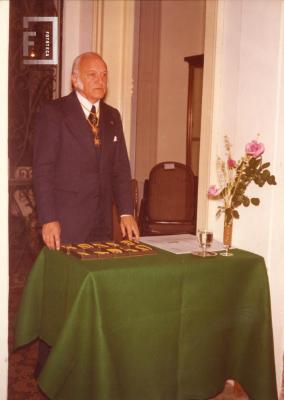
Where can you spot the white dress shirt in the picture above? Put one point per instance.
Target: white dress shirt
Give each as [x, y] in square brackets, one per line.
[87, 105]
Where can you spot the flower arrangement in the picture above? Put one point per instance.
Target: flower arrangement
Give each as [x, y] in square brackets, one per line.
[235, 176]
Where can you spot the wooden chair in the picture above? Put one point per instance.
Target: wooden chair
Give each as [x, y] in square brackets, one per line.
[116, 232]
[169, 202]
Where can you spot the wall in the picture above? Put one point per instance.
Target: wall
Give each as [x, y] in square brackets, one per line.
[248, 93]
[115, 38]
[77, 36]
[4, 34]
[182, 34]
[147, 90]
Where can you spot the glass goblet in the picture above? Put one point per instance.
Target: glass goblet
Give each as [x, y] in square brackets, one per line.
[205, 239]
[226, 253]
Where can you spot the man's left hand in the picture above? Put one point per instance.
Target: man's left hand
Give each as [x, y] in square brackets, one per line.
[129, 227]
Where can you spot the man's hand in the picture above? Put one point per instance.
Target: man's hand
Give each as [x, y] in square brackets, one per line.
[51, 235]
[129, 227]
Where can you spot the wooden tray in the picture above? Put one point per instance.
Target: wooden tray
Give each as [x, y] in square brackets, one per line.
[110, 249]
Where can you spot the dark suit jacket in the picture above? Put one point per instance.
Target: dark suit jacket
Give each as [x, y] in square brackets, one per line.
[74, 182]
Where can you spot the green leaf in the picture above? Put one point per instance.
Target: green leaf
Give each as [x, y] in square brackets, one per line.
[246, 201]
[261, 183]
[254, 162]
[251, 172]
[241, 186]
[255, 201]
[271, 180]
[265, 165]
[236, 214]
[258, 160]
[238, 195]
[265, 174]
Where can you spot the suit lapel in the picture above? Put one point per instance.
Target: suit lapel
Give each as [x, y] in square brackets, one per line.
[79, 127]
[106, 126]
[102, 124]
[77, 124]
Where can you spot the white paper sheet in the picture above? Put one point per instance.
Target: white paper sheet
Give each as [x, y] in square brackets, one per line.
[179, 244]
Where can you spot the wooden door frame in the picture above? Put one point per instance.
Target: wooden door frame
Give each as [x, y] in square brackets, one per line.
[193, 63]
[211, 28]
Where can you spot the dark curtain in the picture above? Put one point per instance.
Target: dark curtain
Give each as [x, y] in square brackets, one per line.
[29, 85]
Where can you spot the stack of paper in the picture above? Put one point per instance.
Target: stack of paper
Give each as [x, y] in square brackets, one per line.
[179, 244]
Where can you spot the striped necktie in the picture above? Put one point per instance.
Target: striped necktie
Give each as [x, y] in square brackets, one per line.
[94, 122]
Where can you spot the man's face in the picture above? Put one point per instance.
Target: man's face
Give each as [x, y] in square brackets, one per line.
[92, 79]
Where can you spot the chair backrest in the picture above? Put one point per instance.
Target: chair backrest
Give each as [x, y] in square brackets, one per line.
[171, 192]
[135, 197]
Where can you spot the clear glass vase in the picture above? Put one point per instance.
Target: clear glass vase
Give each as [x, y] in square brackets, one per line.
[227, 237]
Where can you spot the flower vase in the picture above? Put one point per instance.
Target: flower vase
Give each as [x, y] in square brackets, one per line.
[227, 237]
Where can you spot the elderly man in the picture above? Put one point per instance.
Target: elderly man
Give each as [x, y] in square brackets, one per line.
[81, 163]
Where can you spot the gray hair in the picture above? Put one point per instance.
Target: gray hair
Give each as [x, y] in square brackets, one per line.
[78, 59]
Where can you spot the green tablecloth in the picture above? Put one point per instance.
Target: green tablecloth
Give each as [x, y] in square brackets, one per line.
[159, 327]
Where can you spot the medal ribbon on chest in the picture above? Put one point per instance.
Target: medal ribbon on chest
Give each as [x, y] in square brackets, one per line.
[93, 120]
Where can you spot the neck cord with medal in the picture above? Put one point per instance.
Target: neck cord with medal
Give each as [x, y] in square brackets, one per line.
[94, 125]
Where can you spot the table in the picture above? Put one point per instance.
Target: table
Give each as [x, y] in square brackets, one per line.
[165, 326]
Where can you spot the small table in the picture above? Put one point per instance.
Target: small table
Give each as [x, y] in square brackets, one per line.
[165, 326]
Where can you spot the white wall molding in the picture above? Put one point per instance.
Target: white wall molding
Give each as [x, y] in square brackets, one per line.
[147, 89]
[98, 20]
[129, 75]
[114, 37]
[77, 36]
[207, 119]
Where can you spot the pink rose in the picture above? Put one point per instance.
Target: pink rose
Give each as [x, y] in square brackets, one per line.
[254, 148]
[213, 191]
[231, 163]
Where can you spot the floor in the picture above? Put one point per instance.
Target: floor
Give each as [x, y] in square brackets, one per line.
[22, 385]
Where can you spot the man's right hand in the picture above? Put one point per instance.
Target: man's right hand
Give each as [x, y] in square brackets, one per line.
[51, 235]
